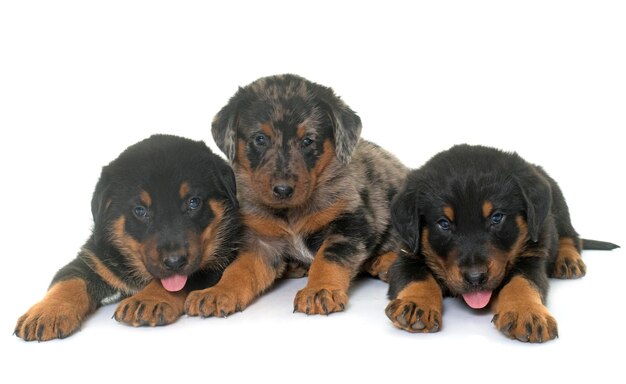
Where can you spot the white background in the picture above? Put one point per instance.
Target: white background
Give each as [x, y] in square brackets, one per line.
[80, 81]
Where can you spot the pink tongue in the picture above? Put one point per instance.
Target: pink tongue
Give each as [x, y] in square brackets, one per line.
[478, 299]
[174, 283]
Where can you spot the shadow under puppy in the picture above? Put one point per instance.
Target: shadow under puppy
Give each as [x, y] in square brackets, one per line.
[488, 226]
[165, 217]
[311, 193]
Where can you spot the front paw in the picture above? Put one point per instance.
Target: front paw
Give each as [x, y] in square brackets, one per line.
[412, 316]
[320, 301]
[534, 324]
[46, 322]
[213, 301]
[144, 311]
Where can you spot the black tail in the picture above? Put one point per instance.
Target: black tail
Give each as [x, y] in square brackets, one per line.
[598, 245]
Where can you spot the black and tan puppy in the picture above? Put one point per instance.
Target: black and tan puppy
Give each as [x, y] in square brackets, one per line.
[165, 216]
[487, 226]
[311, 193]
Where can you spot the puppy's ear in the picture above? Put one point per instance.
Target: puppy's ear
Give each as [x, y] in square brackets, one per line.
[227, 180]
[224, 126]
[405, 215]
[101, 199]
[537, 196]
[346, 124]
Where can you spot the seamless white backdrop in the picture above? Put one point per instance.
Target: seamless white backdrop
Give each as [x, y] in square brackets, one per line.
[81, 80]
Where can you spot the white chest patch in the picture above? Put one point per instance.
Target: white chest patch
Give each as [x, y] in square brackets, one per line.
[302, 251]
[111, 299]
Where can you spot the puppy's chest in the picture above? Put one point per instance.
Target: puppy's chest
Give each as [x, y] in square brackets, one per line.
[297, 248]
[296, 235]
[280, 238]
[298, 245]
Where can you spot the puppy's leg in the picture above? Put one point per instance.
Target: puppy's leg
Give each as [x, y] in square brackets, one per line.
[152, 306]
[520, 313]
[326, 290]
[417, 299]
[76, 291]
[59, 314]
[243, 280]
[335, 264]
[568, 264]
[379, 266]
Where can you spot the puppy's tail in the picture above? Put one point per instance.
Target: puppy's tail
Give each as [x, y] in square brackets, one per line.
[598, 245]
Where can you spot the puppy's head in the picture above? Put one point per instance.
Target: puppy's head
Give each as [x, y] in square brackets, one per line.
[470, 212]
[161, 204]
[282, 133]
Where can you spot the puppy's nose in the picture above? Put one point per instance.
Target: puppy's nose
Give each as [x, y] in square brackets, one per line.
[174, 261]
[283, 191]
[475, 277]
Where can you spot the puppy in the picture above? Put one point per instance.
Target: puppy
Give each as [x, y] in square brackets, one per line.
[311, 194]
[487, 226]
[165, 218]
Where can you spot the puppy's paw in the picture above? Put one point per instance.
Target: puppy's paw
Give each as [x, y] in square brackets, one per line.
[214, 301]
[320, 301]
[379, 266]
[46, 321]
[568, 264]
[414, 316]
[295, 270]
[148, 311]
[530, 324]
[58, 315]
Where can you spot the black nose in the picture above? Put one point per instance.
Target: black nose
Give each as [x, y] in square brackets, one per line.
[283, 191]
[475, 277]
[174, 261]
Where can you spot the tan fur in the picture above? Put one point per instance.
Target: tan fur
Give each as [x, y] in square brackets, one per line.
[152, 306]
[106, 275]
[520, 313]
[59, 314]
[132, 249]
[183, 190]
[418, 307]
[241, 282]
[568, 264]
[487, 208]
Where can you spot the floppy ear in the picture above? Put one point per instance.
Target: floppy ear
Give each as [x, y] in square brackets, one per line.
[405, 215]
[224, 126]
[537, 199]
[100, 199]
[227, 180]
[346, 124]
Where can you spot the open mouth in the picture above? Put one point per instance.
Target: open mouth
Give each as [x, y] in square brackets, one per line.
[174, 283]
[477, 299]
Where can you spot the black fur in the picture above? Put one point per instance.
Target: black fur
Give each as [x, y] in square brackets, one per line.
[508, 218]
[151, 208]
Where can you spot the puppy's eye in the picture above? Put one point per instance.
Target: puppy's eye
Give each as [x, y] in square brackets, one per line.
[444, 224]
[497, 218]
[194, 203]
[140, 212]
[307, 141]
[261, 140]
